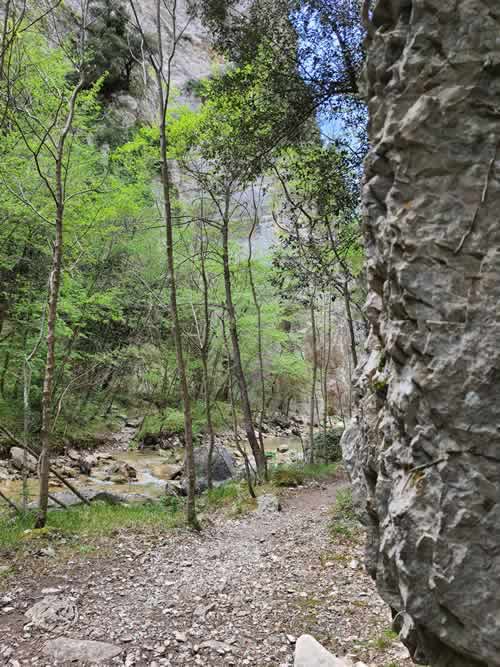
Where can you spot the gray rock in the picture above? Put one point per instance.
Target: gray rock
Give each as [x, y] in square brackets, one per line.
[81, 651]
[423, 450]
[223, 466]
[268, 504]
[17, 457]
[174, 488]
[122, 470]
[53, 612]
[219, 647]
[310, 653]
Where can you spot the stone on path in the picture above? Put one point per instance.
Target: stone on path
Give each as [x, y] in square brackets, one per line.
[268, 503]
[310, 653]
[81, 651]
[52, 612]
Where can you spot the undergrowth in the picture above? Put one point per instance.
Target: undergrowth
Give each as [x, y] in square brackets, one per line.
[78, 523]
[344, 522]
[296, 475]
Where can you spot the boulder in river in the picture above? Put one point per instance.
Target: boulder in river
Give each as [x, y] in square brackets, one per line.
[121, 472]
[17, 456]
[223, 466]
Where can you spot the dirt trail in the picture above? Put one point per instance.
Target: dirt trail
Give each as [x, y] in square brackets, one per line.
[238, 594]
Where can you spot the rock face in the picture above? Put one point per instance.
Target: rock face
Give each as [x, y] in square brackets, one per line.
[424, 450]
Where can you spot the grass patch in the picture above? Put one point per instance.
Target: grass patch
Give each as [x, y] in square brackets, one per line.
[223, 494]
[385, 640]
[297, 474]
[344, 522]
[79, 523]
[231, 496]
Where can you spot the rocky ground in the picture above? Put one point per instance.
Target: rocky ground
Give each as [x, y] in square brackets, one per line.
[239, 593]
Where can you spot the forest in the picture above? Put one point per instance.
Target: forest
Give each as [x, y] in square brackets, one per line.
[238, 354]
[177, 271]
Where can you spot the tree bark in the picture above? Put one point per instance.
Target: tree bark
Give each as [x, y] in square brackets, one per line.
[236, 356]
[54, 287]
[259, 342]
[174, 311]
[312, 408]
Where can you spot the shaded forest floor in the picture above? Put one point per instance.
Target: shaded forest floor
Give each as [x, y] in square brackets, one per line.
[237, 594]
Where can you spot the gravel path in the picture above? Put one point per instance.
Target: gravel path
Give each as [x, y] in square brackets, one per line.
[238, 594]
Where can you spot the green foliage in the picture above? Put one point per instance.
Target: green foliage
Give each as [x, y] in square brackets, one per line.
[81, 523]
[223, 494]
[327, 447]
[112, 48]
[344, 521]
[290, 476]
[296, 474]
[385, 640]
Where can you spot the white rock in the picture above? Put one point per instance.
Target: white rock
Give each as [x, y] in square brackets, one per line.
[77, 650]
[52, 612]
[268, 503]
[310, 653]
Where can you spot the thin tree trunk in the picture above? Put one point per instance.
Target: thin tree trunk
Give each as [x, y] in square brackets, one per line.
[236, 356]
[314, 380]
[327, 351]
[248, 472]
[54, 286]
[174, 312]
[259, 339]
[204, 360]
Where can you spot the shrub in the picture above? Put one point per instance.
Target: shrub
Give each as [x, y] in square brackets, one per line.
[290, 476]
[327, 447]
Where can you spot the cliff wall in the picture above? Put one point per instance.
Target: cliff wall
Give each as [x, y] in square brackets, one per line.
[424, 448]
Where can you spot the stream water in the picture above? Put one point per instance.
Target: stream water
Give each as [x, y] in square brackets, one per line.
[153, 469]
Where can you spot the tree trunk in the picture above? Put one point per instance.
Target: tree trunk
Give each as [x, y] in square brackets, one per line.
[236, 356]
[259, 343]
[45, 433]
[352, 335]
[174, 312]
[204, 350]
[242, 451]
[312, 408]
[54, 286]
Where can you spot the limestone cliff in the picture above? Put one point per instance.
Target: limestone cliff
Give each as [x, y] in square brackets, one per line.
[424, 449]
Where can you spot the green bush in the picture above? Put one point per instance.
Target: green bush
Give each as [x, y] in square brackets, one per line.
[297, 474]
[327, 447]
[290, 476]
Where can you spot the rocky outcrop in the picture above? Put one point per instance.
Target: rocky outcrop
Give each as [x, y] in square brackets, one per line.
[424, 449]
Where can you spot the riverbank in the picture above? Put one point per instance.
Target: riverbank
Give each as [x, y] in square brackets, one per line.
[124, 464]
